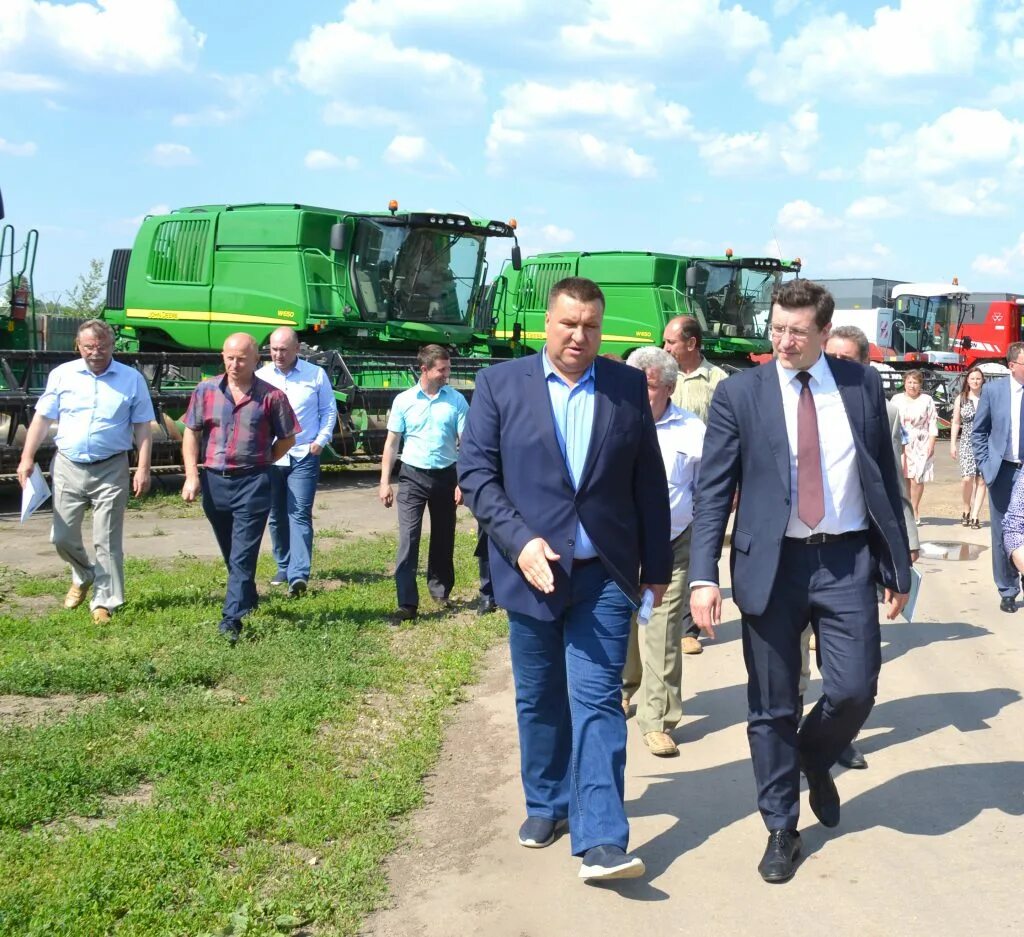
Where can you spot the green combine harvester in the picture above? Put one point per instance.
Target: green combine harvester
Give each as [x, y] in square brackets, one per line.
[730, 296]
[363, 290]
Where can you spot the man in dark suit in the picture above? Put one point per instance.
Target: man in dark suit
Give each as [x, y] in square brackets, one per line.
[819, 522]
[998, 451]
[561, 467]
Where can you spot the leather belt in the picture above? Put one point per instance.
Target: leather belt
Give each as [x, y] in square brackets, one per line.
[1014, 462]
[816, 539]
[236, 472]
[589, 561]
[98, 461]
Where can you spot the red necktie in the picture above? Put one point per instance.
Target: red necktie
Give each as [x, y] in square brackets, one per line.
[810, 492]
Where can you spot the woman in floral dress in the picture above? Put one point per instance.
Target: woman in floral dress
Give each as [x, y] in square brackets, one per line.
[1013, 524]
[920, 423]
[964, 407]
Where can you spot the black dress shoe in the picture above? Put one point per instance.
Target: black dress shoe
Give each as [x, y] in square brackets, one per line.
[1006, 604]
[779, 860]
[851, 757]
[486, 605]
[823, 795]
[404, 613]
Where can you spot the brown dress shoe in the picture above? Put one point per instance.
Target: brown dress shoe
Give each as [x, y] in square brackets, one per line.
[691, 645]
[76, 595]
[661, 744]
[100, 615]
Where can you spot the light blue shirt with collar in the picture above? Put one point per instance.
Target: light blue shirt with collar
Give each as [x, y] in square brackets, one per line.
[573, 410]
[308, 390]
[95, 413]
[430, 427]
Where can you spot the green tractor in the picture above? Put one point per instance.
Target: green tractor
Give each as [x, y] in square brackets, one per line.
[364, 291]
[730, 296]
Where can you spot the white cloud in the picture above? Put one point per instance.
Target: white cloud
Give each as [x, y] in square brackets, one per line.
[801, 215]
[1008, 261]
[832, 55]
[871, 207]
[121, 36]
[860, 262]
[788, 145]
[960, 138]
[392, 14]
[833, 174]
[28, 81]
[168, 155]
[241, 92]
[17, 149]
[1009, 27]
[964, 197]
[584, 122]
[646, 28]
[352, 66]
[417, 152]
[322, 159]
[553, 234]
[341, 113]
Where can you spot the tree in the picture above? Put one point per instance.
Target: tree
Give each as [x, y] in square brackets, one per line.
[86, 298]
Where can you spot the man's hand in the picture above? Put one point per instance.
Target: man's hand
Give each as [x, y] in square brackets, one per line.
[706, 608]
[458, 496]
[659, 590]
[535, 562]
[25, 469]
[190, 490]
[386, 494]
[895, 602]
[914, 554]
[315, 448]
[140, 483]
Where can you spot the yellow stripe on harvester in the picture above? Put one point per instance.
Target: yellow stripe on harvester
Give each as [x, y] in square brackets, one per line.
[184, 315]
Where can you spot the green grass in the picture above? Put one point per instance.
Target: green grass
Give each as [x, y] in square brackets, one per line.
[201, 789]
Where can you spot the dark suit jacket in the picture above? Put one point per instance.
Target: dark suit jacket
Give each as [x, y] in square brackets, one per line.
[990, 433]
[516, 483]
[746, 445]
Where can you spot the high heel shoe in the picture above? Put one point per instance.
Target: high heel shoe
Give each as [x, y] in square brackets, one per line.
[976, 524]
[965, 519]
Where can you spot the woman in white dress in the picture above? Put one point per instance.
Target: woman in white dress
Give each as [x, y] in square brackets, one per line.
[920, 422]
[964, 408]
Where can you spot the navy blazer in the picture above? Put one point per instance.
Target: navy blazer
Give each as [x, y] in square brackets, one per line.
[990, 433]
[746, 445]
[515, 481]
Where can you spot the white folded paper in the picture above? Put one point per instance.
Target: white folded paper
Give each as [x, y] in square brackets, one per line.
[34, 494]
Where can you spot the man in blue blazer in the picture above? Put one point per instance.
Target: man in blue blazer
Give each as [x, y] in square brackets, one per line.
[819, 522]
[561, 467]
[998, 451]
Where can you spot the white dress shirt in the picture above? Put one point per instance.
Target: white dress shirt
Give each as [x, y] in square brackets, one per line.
[681, 439]
[1012, 445]
[308, 389]
[845, 509]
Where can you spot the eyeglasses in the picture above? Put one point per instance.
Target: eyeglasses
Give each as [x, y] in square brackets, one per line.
[798, 335]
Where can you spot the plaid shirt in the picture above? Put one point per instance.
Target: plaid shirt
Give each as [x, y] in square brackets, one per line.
[238, 435]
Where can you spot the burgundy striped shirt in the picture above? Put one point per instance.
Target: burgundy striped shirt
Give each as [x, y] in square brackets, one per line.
[238, 435]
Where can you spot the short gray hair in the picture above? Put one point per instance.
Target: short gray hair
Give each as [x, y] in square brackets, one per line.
[655, 359]
[98, 327]
[851, 333]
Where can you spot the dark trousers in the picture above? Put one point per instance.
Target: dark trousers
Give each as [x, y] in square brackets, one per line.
[237, 508]
[572, 731]
[831, 587]
[1003, 571]
[483, 562]
[433, 489]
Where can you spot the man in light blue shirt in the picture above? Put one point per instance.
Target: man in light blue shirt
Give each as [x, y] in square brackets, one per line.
[100, 406]
[427, 420]
[293, 478]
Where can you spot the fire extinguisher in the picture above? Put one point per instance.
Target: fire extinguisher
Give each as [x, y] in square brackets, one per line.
[19, 301]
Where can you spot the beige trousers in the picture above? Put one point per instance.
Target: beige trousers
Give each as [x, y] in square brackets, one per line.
[105, 487]
[654, 659]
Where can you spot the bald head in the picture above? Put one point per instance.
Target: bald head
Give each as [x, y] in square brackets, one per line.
[682, 340]
[284, 348]
[241, 355]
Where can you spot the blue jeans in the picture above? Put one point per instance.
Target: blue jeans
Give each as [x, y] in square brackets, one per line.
[572, 731]
[293, 488]
[237, 508]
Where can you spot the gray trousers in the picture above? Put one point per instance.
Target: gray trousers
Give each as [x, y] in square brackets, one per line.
[105, 487]
[654, 660]
[432, 490]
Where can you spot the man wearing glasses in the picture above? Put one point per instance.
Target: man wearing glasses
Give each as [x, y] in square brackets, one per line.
[818, 522]
[999, 450]
[100, 407]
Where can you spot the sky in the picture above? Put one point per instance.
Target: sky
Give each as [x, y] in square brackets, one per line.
[866, 139]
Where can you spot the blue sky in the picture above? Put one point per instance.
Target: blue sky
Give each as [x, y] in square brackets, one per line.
[869, 140]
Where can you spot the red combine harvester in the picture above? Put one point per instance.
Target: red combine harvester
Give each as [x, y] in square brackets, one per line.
[992, 323]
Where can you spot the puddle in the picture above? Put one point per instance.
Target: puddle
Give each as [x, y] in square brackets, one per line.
[953, 550]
